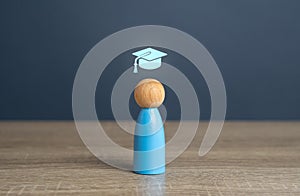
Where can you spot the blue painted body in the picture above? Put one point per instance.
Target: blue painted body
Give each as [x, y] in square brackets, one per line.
[149, 143]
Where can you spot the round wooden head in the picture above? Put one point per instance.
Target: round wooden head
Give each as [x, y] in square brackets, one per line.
[149, 93]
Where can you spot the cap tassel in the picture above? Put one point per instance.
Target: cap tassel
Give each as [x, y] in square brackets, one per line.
[135, 68]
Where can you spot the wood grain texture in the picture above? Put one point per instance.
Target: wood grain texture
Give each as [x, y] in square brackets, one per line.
[250, 158]
[149, 93]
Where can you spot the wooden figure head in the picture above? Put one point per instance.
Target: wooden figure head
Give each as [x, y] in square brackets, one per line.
[149, 93]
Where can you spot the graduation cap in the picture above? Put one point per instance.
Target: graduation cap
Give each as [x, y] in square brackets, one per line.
[147, 58]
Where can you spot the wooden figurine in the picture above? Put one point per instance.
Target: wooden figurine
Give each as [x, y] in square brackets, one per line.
[149, 137]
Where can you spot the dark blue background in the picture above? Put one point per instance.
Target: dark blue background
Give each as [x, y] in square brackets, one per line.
[255, 44]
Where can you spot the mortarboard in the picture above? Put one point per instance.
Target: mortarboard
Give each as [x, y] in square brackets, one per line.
[147, 58]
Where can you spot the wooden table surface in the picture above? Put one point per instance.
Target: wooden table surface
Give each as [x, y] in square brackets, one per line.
[249, 158]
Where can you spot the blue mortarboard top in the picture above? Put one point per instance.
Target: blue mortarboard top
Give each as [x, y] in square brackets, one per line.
[148, 58]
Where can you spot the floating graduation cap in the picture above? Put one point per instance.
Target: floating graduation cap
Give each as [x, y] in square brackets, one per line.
[148, 58]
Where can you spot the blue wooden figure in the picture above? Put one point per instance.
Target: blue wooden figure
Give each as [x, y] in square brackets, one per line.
[149, 138]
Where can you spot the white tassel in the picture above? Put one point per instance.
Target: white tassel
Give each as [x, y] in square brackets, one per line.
[135, 68]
